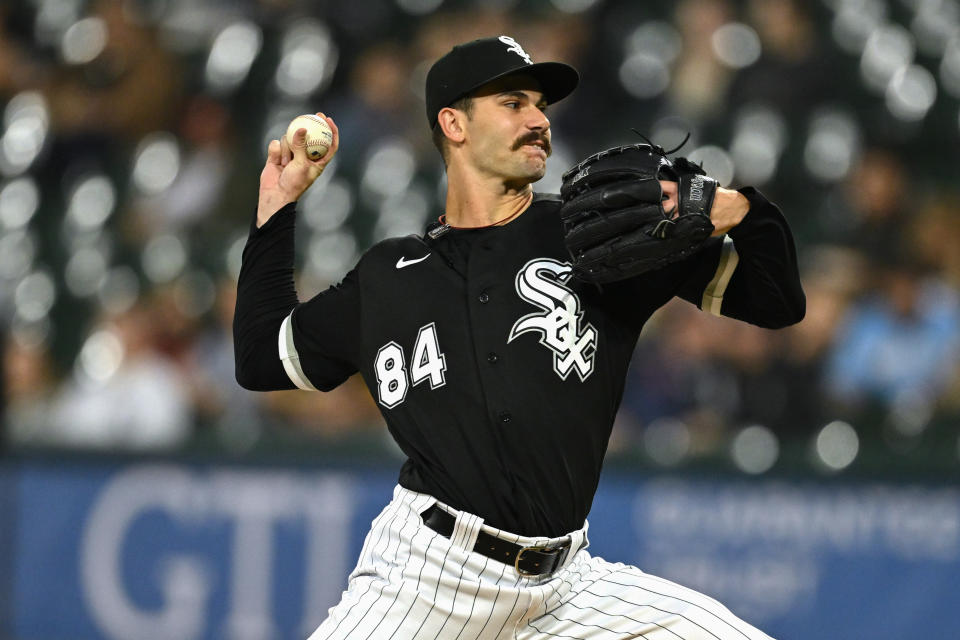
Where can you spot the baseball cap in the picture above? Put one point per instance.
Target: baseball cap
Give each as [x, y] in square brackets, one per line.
[472, 64]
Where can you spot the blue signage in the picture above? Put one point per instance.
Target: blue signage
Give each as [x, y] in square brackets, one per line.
[177, 551]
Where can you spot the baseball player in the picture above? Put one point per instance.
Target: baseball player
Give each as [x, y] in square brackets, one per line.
[497, 371]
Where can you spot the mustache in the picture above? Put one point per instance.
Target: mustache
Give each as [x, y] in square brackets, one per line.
[533, 136]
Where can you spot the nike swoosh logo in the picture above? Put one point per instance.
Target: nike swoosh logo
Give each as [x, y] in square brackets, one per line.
[403, 262]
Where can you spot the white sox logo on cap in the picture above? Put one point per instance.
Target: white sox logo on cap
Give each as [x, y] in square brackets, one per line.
[468, 66]
[514, 47]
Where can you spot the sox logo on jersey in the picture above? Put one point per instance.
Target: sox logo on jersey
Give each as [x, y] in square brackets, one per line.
[542, 282]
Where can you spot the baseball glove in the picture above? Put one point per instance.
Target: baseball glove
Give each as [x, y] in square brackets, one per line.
[613, 219]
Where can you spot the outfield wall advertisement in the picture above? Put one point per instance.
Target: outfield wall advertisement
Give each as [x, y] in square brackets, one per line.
[98, 550]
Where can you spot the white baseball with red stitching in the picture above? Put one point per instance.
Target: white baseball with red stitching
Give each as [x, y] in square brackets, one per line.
[319, 135]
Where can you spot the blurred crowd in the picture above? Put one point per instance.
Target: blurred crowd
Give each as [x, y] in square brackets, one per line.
[134, 130]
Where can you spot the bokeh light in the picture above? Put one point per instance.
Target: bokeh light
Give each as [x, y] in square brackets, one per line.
[667, 441]
[84, 271]
[832, 145]
[233, 52]
[19, 200]
[326, 207]
[17, 251]
[308, 60]
[331, 254]
[911, 92]
[755, 449]
[91, 201]
[934, 24]
[650, 49]
[836, 445]
[759, 136]
[389, 168]
[118, 289]
[855, 21]
[889, 49]
[101, 356]
[656, 38]
[84, 40]
[644, 75]
[164, 258]
[54, 17]
[736, 45]
[156, 163]
[35, 295]
[26, 122]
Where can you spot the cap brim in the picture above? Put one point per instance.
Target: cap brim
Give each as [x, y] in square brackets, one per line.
[556, 79]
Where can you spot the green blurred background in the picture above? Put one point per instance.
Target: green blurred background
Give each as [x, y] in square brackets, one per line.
[133, 133]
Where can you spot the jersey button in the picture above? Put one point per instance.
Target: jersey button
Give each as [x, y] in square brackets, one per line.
[492, 357]
[484, 297]
[505, 417]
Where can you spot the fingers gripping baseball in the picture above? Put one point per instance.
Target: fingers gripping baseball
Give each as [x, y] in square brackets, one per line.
[289, 172]
[299, 171]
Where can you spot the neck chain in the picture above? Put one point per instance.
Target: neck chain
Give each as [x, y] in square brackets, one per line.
[443, 226]
[443, 220]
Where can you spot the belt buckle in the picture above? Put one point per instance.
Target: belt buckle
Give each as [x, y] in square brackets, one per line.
[540, 549]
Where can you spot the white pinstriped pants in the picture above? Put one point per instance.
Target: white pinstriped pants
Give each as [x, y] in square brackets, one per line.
[413, 583]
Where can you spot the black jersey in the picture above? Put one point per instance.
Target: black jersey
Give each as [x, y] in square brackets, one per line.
[498, 376]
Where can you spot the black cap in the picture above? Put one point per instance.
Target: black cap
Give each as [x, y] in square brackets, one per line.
[472, 64]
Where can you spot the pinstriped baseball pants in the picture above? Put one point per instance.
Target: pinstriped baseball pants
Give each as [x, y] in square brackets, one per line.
[412, 583]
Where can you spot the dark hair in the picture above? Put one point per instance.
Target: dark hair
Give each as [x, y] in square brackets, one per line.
[464, 104]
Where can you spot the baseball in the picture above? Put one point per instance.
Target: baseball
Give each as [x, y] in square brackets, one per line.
[319, 135]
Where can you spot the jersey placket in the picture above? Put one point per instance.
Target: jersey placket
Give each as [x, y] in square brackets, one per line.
[486, 303]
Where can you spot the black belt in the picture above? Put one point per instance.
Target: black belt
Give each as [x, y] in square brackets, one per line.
[528, 561]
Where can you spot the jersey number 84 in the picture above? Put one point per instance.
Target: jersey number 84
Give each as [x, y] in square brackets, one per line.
[426, 363]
